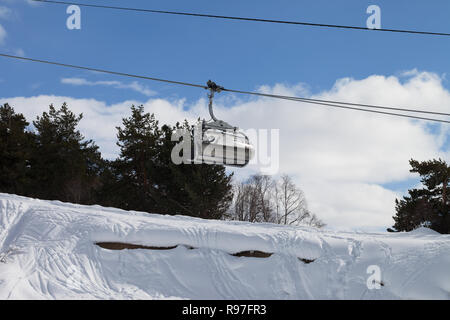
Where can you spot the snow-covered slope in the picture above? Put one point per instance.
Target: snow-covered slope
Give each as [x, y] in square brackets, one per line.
[48, 251]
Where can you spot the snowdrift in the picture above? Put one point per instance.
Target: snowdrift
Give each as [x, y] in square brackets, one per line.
[48, 250]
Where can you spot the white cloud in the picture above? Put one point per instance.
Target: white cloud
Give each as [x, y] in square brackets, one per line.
[135, 86]
[339, 158]
[31, 2]
[20, 52]
[36, 85]
[3, 34]
[346, 205]
[5, 12]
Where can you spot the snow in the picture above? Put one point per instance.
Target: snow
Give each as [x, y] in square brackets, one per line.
[48, 251]
[423, 231]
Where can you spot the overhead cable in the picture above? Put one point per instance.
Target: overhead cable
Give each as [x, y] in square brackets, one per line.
[330, 103]
[192, 14]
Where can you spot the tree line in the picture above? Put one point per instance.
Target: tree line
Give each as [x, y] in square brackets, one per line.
[55, 162]
[52, 160]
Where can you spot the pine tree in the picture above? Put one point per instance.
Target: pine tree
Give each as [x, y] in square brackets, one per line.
[139, 142]
[148, 180]
[198, 190]
[413, 211]
[15, 152]
[429, 206]
[65, 166]
[436, 178]
[110, 190]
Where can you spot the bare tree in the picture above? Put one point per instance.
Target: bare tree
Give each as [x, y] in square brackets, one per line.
[263, 186]
[262, 199]
[252, 200]
[290, 202]
[314, 221]
[239, 208]
[245, 206]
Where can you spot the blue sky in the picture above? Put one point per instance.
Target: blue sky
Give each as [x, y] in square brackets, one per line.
[235, 54]
[297, 60]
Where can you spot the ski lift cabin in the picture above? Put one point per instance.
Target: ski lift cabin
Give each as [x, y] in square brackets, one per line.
[217, 142]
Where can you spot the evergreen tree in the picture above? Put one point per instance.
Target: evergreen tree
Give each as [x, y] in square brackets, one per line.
[429, 206]
[436, 178]
[198, 190]
[15, 152]
[139, 142]
[57, 163]
[110, 190]
[413, 211]
[148, 180]
[65, 166]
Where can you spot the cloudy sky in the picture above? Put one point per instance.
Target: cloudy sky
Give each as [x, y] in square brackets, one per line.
[351, 165]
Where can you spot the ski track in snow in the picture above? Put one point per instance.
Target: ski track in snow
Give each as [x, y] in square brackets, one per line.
[48, 251]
